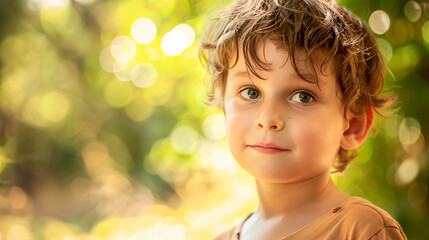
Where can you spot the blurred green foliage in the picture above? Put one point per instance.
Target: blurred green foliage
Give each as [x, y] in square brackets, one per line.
[84, 155]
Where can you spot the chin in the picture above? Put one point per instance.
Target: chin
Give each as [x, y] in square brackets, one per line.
[273, 177]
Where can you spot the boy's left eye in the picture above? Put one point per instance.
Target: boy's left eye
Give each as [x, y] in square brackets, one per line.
[302, 97]
[250, 93]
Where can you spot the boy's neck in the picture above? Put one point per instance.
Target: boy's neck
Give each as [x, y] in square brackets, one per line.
[280, 199]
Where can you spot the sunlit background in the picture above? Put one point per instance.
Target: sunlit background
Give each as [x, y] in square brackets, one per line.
[105, 134]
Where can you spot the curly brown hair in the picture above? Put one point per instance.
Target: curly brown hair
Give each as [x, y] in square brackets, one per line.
[309, 25]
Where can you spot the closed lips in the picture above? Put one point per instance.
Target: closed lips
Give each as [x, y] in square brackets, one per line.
[272, 146]
[267, 148]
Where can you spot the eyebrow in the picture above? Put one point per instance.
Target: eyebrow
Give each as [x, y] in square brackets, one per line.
[241, 74]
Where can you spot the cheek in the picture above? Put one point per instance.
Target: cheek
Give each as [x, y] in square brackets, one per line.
[306, 133]
[235, 119]
[234, 125]
[237, 126]
[234, 134]
[320, 137]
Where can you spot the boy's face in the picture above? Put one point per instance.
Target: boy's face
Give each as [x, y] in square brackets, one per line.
[283, 128]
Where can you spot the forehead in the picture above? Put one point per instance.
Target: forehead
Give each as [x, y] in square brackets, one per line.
[272, 54]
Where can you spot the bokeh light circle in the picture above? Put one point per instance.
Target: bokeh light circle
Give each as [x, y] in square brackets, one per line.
[214, 126]
[177, 40]
[409, 131]
[143, 31]
[126, 71]
[107, 61]
[407, 171]
[185, 140]
[123, 48]
[188, 32]
[379, 22]
[53, 4]
[54, 106]
[385, 49]
[173, 43]
[425, 31]
[412, 11]
[147, 75]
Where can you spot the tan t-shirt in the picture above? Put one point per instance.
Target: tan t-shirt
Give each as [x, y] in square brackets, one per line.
[354, 218]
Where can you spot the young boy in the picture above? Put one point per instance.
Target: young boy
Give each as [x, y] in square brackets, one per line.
[298, 81]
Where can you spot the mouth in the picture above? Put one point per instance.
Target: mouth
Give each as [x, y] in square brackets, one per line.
[267, 148]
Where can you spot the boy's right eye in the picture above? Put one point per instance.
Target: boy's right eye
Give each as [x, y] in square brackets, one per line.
[250, 93]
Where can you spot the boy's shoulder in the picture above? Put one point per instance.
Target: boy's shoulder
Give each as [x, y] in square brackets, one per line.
[364, 210]
[355, 218]
[357, 209]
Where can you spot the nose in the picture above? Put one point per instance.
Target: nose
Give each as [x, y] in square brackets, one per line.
[269, 118]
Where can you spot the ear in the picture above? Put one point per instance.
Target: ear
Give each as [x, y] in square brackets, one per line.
[358, 126]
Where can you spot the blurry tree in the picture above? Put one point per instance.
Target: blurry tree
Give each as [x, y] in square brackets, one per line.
[104, 131]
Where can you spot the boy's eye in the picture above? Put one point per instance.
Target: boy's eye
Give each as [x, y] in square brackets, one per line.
[250, 93]
[302, 97]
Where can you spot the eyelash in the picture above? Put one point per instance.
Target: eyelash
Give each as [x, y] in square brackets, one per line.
[309, 94]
